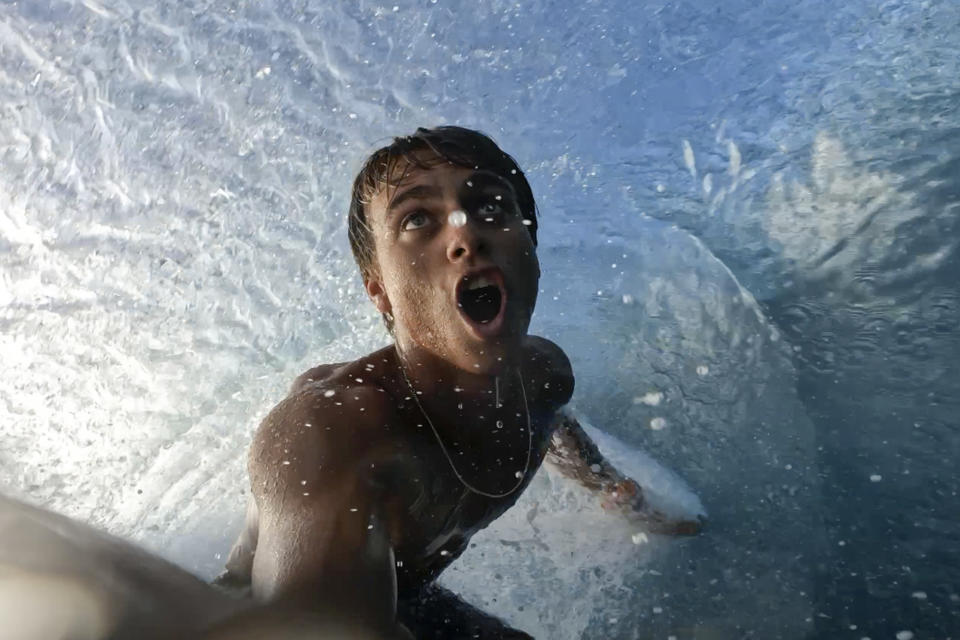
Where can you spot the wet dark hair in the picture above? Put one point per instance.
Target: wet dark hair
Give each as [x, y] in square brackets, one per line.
[456, 145]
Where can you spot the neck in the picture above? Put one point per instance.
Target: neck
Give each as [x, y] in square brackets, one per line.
[432, 372]
[440, 382]
[490, 403]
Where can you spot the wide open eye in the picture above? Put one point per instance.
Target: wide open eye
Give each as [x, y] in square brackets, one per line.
[415, 220]
[495, 208]
[490, 209]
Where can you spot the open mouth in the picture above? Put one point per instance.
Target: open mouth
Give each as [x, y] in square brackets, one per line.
[481, 298]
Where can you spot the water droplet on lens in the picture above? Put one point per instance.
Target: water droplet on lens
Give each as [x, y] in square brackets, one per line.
[458, 219]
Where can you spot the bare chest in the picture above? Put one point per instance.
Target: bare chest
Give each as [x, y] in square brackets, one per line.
[443, 503]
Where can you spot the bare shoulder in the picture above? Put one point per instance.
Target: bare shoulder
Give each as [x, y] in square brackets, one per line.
[546, 362]
[330, 426]
[316, 375]
[340, 372]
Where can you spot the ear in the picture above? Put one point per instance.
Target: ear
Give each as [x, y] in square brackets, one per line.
[377, 294]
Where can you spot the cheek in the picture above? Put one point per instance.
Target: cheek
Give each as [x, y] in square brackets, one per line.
[409, 292]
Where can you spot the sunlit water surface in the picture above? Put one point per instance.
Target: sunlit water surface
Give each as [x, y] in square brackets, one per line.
[749, 245]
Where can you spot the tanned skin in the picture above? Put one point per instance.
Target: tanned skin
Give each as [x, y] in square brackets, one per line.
[353, 495]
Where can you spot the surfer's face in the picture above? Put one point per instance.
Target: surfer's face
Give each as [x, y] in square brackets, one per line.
[456, 266]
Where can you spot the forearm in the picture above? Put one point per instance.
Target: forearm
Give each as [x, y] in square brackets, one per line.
[575, 456]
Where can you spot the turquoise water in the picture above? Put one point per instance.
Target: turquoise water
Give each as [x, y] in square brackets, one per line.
[749, 246]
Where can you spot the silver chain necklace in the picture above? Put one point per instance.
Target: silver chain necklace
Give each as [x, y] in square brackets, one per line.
[521, 475]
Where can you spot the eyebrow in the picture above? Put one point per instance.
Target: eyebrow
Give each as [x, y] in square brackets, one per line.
[485, 179]
[422, 192]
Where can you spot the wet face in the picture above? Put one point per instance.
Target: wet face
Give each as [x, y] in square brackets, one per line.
[455, 265]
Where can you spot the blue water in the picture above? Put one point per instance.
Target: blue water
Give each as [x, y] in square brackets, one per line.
[748, 208]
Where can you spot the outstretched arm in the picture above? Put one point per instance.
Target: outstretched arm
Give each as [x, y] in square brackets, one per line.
[575, 456]
[323, 544]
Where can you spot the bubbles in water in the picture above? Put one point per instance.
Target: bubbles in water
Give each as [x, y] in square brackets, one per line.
[904, 635]
[688, 159]
[919, 595]
[703, 370]
[651, 399]
[499, 424]
[518, 474]
[735, 159]
[627, 298]
[458, 219]
[876, 477]
[657, 424]
[639, 538]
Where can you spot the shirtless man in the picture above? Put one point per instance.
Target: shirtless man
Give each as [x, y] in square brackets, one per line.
[371, 476]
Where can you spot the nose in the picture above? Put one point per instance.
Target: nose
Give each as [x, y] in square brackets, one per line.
[465, 240]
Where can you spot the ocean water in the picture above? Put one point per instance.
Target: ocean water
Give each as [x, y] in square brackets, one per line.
[749, 241]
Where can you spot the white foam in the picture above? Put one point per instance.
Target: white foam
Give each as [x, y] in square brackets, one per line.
[664, 488]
